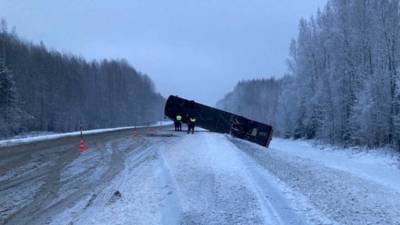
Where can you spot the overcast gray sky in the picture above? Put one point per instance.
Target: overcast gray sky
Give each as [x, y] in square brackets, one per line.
[198, 49]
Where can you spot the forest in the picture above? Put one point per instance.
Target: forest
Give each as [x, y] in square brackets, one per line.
[343, 81]
[46, 90]
[256, 99]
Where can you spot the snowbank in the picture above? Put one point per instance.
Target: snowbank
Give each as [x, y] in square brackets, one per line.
[45, 137]
[381, 166]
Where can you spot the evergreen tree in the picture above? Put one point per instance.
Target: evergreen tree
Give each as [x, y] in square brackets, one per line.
[343, 81]
[44, 90]
[8, 94]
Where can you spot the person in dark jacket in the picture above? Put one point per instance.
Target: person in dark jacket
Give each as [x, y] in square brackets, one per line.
[191, 124]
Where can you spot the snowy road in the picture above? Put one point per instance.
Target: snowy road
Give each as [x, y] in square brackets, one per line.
[205, 178]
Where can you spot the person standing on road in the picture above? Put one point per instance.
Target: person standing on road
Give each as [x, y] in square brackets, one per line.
[178, 123]
[191, 124]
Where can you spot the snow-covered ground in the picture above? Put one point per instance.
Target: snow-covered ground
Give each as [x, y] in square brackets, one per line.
[195, 180]
[335, 183]
[379, 165]
[207, 178]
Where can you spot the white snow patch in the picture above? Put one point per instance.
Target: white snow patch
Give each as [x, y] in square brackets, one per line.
[214, 184]
[377, 166]
[142, 196]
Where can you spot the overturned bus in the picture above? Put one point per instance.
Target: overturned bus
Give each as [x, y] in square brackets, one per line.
[216, 120]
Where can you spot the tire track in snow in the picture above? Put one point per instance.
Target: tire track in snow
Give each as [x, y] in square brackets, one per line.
[338, 195]
[145, 193]
[292, 207]
[171, 211]
[213, 185]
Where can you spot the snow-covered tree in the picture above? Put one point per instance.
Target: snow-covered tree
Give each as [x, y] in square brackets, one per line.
[343, 81]
[48, 90]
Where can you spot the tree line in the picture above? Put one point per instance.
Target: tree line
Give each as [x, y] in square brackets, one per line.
[256, 99]
[46, 90]
[343, 84]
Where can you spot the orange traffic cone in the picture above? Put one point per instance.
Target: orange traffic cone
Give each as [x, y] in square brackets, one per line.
[81, 144]
[135, 132]
[82, 147]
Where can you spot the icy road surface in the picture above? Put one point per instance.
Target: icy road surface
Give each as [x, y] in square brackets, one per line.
[162, 177]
